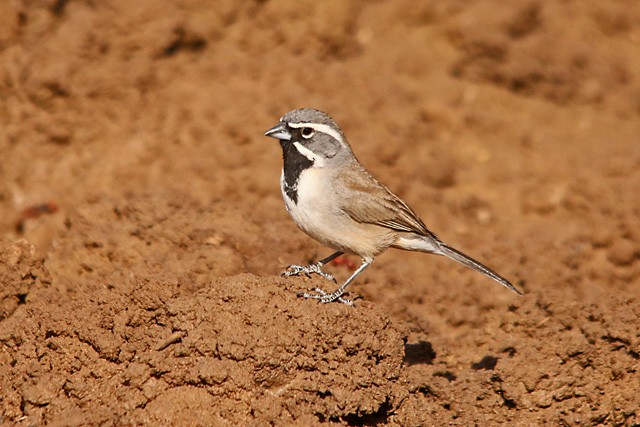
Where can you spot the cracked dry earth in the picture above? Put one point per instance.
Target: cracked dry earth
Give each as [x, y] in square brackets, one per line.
[142, 231]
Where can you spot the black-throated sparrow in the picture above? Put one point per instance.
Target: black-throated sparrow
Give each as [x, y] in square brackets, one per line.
[333, 199]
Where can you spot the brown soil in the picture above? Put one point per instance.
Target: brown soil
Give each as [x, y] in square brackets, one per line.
[149, 294]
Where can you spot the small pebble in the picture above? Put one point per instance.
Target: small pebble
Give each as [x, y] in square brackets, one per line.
[622, 253]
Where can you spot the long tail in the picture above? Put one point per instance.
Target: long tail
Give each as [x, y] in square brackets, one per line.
[456, 255]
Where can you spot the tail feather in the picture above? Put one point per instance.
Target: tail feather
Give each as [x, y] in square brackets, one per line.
[456, 255]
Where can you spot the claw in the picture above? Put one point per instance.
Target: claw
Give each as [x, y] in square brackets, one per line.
[323, 296]
[326, 297]
[295, 270]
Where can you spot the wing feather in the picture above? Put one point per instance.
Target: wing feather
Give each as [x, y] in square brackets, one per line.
[367, 201]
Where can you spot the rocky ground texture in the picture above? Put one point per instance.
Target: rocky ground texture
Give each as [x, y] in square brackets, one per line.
[142, 231]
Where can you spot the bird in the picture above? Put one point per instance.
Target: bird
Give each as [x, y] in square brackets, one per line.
[335, 200]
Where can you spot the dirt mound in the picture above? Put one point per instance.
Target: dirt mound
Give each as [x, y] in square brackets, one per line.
[130, 344]
[20, 272]
[143, 232]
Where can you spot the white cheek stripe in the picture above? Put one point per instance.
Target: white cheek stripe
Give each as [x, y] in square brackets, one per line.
[318, 127]
[318, 161]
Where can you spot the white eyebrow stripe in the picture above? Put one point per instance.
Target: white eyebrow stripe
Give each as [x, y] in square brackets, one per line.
[319, 127]
[317, 160]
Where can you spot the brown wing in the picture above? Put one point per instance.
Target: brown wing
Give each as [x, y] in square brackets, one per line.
[368, 201]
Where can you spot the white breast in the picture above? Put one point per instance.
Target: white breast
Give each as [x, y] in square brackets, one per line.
[319, 215]
[309, 213]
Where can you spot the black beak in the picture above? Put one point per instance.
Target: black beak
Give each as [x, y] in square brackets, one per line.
[279, 131]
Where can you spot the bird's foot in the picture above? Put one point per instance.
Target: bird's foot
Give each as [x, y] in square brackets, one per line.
[307, 270]
[327, 297]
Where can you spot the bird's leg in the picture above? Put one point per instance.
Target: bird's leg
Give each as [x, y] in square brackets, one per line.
[336, 295]
[295, 270]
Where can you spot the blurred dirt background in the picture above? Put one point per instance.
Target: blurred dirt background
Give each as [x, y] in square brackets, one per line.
[143, 231]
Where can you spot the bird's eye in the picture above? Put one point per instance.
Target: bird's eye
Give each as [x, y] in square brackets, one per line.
[307, 132]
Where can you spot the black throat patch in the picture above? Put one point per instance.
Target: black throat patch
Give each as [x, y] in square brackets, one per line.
[294, 164]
